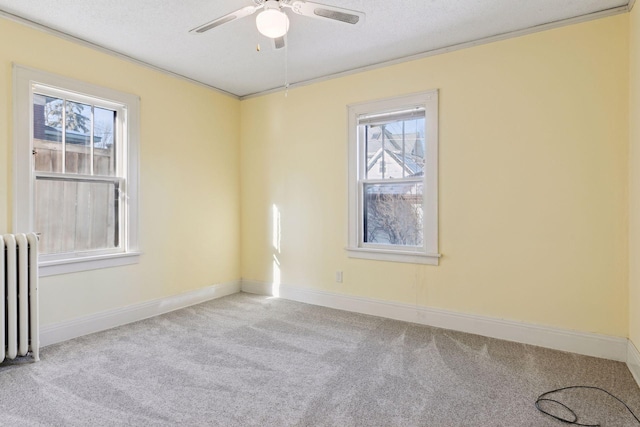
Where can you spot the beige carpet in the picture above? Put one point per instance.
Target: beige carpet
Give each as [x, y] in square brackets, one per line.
[248, 360]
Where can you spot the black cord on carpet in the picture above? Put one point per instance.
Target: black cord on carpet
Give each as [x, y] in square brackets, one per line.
[574, 421]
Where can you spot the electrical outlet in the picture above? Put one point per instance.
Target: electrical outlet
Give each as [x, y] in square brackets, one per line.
[339, 276]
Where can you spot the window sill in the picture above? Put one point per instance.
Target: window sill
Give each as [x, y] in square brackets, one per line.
[394, 256]
[73, 265]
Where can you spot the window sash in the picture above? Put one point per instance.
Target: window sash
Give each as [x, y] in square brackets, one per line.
[373, 119]
[361, 215]
[119, 126]
[118, 180]
[362, 148]
[118, 212]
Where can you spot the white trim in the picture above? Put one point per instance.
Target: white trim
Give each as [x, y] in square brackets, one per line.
[491, 39]
[69, 329]
[630, 5]
[53, 268]
[393, 256]
[596, 345]
[633, 361]
[25, 80]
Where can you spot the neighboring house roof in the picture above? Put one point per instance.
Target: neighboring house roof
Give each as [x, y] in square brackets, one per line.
[71, 137]
[397, 154]
[406, 162]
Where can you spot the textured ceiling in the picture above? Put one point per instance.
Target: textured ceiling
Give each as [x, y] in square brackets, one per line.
[156, 32]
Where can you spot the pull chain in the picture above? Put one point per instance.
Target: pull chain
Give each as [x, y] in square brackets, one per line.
[286, 68]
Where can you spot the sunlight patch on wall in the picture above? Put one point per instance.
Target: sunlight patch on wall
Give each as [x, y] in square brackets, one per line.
[275, 230]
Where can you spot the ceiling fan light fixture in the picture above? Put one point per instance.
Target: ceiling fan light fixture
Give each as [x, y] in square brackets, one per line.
[272, 23]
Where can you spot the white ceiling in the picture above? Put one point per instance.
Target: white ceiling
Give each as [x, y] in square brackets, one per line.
[156, 32]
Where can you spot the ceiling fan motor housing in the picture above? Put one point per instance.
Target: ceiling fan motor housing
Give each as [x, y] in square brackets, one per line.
[272, 22]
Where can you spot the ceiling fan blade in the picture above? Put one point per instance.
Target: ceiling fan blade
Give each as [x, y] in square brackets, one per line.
[240, 13]
[323, 11]
[278, 42]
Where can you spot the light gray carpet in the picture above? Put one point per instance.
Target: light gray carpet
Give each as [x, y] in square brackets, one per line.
[248, 360]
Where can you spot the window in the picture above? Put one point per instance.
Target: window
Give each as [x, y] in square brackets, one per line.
[393, 179]
[75, 171]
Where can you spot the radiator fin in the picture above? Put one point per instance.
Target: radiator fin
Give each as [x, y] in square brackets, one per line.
[19, 331]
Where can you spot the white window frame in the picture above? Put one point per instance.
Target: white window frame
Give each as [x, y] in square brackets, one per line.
[356, 247]
[26, 81]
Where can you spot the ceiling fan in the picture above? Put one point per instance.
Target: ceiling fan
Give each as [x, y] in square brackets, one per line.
[274, 23]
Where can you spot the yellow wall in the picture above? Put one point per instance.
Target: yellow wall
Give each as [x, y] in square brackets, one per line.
[189, 173]
[634, 176]
[533, 181]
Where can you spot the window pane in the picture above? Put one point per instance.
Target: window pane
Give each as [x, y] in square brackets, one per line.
[393, 214]
[78, 138]
[76, 215]
[104, 124]
[373, 147]
[395, 149]
[47, 133]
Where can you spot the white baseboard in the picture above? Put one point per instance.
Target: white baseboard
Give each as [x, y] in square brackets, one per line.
[62, 331]
[633, 361]
[603, 346]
